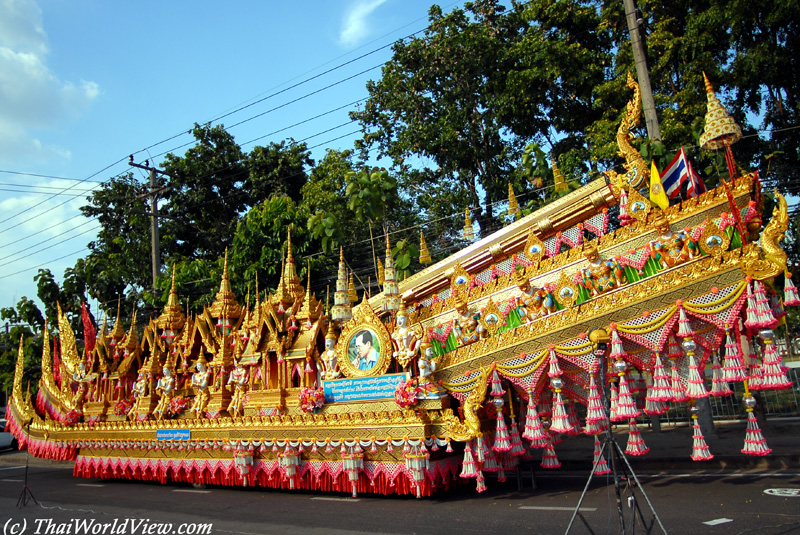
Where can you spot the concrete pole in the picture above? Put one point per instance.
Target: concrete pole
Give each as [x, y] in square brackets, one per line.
[642, 73]
[154, 237]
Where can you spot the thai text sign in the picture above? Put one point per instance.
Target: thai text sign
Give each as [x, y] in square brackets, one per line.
[362, 388]
[173, 434]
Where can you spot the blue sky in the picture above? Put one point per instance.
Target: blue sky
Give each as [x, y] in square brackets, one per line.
[83, 84]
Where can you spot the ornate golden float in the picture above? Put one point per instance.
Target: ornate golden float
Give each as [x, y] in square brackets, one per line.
[421, 385]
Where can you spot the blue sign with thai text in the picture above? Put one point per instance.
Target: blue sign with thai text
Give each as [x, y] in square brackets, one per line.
[173, 434]
[362, 388]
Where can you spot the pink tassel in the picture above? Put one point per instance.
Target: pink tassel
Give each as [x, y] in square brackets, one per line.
[684, 329]
[572, 418]
[594, 408]
[487, 457]
[328, 448]
[617, 352]
[626, 407]
[677, 390]
[516, 442]
[613, 403]
[599, 460]
[560, 420]
[733, 369]
[700, 450]
[555, 369]
[653, 405]
[772, 376]
[549, 458]
[534, 429]
[497, 386]
[481, 483]
[468, 467]
[502, 441]
[636, 445]
[695, 386]
[752, 310]
[766, 320]
[449, 447]
[661, 387]
[719, 387]
[790, 297]
[754, 441]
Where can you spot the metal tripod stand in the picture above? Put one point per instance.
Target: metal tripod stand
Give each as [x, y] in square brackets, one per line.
[621, 470]
[27, 494]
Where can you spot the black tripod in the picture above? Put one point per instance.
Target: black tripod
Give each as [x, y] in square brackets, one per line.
[27, 494]
[621, 471]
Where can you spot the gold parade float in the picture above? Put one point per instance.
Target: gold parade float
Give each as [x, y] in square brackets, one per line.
[463, 369]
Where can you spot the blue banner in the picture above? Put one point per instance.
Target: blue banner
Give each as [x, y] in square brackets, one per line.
[362, 388]
[173, 434]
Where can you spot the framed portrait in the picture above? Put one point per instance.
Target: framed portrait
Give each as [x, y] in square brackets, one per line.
[365, 345]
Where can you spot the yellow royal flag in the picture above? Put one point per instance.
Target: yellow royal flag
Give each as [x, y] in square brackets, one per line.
[657, 194]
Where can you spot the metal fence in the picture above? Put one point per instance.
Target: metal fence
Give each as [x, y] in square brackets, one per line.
[772, 402]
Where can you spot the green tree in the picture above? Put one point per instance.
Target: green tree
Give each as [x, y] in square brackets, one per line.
[206, 195]
[277, 169]
[435, 104]
[117, 263]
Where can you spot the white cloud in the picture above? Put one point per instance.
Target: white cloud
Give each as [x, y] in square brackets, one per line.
[32, 97]
[355, 25]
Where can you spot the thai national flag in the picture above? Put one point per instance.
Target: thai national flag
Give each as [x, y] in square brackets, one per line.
[676, 173]
[696, 185]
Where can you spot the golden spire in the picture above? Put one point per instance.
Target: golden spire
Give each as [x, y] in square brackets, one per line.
[132, 339]
[391, 290]
[381, 272]
[720, 129]
[290, 288]
[309, 303]
[225, 304]
[341, 310]
[117, 333]
[513, 207]
[424, 254]
[561, 184]
[351, 290]
[469, 233]
[172, 319]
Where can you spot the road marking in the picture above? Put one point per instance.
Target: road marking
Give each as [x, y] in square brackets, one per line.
[542, 508]
[331, 499]
[12, 467]
[718, 521]
[12, 480]
[89, 485]
[193, 490]
[786, 493]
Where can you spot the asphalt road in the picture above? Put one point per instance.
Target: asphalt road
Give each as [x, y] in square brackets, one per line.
[729, 503]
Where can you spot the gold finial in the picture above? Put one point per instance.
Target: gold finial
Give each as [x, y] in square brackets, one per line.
[117, 332]
[469, 233]
[381, 273]
[225, 304]
[172, 317]
[424, 254]
[720, 129]
[561, 184]
[351, 290]
[513, 206]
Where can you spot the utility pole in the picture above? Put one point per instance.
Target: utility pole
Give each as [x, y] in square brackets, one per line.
[648, 105]
[155, 250]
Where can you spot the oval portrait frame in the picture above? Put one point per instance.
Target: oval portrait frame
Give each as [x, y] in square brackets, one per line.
[365, 329]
